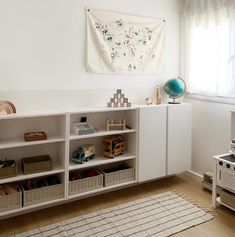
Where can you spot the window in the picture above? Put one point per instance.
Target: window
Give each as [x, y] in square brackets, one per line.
[210, 66]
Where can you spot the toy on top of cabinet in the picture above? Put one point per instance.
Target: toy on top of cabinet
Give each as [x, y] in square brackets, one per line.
[114, 146]
[119, 100]
[83, 153]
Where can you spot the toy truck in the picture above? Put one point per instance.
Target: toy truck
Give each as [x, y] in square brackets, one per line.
[114, 146]
[83, 153]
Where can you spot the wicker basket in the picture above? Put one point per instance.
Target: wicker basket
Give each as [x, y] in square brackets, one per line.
[36, 164]
[86, 184]
[228, 198]
[120, 176]
[8, 172]
[44, 194]
[11, 201]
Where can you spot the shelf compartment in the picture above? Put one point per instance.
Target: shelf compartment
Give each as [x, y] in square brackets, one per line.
[101, 134]
[20, 142]
[11, 201]
[44, 194]
[86, 184]
[101, 160]
[57, 168]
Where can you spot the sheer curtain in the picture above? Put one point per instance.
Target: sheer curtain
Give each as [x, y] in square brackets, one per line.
[208, 47]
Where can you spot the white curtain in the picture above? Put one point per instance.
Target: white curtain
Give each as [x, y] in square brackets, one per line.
[208, 47]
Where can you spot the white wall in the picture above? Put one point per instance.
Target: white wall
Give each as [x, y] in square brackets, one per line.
[42, 44]
[210, 134]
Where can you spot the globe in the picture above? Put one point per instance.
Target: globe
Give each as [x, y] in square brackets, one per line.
[175, 88]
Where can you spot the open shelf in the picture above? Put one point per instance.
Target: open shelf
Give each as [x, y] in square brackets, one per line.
[102, 189]
[101, 134]
[218, 199]
[56, 169]
[20, 142]
[101, 160]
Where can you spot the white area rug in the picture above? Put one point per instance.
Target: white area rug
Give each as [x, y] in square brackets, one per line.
[160, 215]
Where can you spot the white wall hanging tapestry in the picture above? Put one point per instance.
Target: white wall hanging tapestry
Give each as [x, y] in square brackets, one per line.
[123, 44]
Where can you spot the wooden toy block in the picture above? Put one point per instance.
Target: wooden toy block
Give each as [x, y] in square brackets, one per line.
[116, 123]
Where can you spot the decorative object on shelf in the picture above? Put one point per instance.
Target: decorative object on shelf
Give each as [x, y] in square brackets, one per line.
[8, 168]
[119, 100]
[175, 88]
[82, 128]
[37, 164]
[83, 153]
[158, 96]
[124, 44]
[149, 101]
[35, 136]
[6, 107]
[114, 146]
[116, 124]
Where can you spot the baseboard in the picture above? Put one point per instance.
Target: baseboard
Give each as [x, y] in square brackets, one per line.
[196, 175]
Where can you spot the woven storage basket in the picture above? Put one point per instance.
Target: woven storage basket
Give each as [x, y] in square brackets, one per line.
[86, 184]
[44, 194]
[36, 164]
[11, 201]
[118, 177]
[228, 198]
[8, 172]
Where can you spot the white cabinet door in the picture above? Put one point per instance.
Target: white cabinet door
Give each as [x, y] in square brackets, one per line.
[152, 142]
[179, 138]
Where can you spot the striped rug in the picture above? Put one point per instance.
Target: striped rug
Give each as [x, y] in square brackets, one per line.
[160, 215]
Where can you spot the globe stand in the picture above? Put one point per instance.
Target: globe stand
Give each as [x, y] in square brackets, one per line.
[173, 102]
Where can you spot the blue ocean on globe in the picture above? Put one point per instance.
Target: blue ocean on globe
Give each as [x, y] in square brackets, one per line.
[175, 87]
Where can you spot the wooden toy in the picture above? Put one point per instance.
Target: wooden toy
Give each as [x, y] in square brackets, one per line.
[118, 100]
[117, 123]
[158, 96]
[114, 146]
[35, 136]
[83, 153]
[149, 101]
[6, 107]
[82, 129]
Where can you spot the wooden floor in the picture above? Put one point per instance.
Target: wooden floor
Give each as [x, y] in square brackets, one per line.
[223, 225]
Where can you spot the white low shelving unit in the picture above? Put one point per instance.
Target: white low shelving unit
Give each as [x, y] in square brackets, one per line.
[152, 146]
[61, 143]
